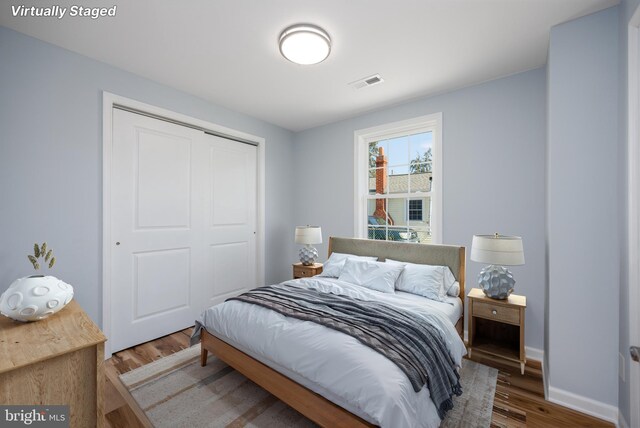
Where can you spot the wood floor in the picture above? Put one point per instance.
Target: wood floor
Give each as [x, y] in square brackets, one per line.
[519, 400]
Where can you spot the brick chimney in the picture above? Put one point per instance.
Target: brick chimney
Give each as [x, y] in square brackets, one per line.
[381, 186]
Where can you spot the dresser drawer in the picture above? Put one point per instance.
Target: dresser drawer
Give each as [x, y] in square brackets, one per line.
[496, 312]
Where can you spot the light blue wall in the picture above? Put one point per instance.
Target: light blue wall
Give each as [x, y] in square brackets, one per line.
[51, 161]
[583, 207]
[494, 168]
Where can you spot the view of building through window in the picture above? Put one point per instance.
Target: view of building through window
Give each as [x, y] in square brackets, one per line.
[400, 179]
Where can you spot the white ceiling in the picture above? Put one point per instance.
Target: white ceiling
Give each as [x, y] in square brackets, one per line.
[225, 51]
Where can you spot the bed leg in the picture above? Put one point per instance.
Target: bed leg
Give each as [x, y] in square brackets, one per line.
[203, 356]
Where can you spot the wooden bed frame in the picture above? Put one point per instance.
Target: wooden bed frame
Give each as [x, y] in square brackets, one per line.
[314, 406]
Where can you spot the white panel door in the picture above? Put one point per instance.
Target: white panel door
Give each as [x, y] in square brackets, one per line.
[157, 221]
[231, 219]
[183, 225]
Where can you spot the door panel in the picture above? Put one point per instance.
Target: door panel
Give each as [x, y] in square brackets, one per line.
[231, 227]
[163, 175]
[227, 276]
[153, 199]
[229, 186]
[159, 282]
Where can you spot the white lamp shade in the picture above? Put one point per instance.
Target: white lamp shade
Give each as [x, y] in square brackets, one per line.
[497, 249]
[308, 235]
[305, 44]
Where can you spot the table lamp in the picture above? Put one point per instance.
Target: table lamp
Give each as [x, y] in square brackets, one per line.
[308, 235]
[497, 250]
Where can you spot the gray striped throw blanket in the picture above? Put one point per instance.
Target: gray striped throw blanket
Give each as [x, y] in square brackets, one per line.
[403, 337]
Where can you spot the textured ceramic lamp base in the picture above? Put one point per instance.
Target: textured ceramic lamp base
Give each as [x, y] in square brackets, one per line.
[496, 281]
[308, 255]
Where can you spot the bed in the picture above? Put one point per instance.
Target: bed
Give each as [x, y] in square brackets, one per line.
[312, 368]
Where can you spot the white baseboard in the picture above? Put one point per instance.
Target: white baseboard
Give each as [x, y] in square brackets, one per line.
[534, 353]
[584, 405]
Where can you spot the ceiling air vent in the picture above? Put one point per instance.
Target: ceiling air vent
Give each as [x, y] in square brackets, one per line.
[367, 81]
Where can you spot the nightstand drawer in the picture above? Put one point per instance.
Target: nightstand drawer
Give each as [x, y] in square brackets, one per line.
[496, 312]
[302, 271]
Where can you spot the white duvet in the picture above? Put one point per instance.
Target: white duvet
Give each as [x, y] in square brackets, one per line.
[332, 363]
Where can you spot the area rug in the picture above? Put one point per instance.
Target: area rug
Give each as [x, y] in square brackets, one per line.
[474, 407]
[176, 392]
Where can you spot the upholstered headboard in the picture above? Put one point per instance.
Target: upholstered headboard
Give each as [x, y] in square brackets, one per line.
[440, 255]
[428, 254]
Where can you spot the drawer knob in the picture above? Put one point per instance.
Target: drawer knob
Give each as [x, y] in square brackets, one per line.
[494, 312]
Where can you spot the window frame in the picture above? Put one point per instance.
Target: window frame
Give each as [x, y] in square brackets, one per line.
[362, 137]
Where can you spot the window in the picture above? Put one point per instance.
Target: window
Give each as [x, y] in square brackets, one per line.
[398, 183]
[415, 210]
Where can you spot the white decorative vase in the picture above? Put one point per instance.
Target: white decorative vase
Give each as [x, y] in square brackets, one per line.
[34, 298]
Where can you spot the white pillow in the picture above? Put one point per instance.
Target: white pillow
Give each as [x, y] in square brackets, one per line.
[374, 275]
[451, 286]
[454, 290]
[432, 282]
[450, 283]
[334, 264]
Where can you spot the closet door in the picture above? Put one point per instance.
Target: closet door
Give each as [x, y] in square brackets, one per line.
[183, 225]
[231, 219]
[157, 225]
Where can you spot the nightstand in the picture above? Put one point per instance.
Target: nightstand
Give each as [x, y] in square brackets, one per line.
[496, 327]
[302, 271]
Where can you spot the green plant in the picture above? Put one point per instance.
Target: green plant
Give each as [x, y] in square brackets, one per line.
[41, 252]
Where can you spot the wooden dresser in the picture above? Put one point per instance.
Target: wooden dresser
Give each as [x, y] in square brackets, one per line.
[56, 361]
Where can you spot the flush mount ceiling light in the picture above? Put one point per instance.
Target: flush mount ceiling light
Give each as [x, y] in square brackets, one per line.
[305, 44]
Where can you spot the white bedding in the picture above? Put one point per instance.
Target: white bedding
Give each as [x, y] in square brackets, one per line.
[452, 306]
[333, 364]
